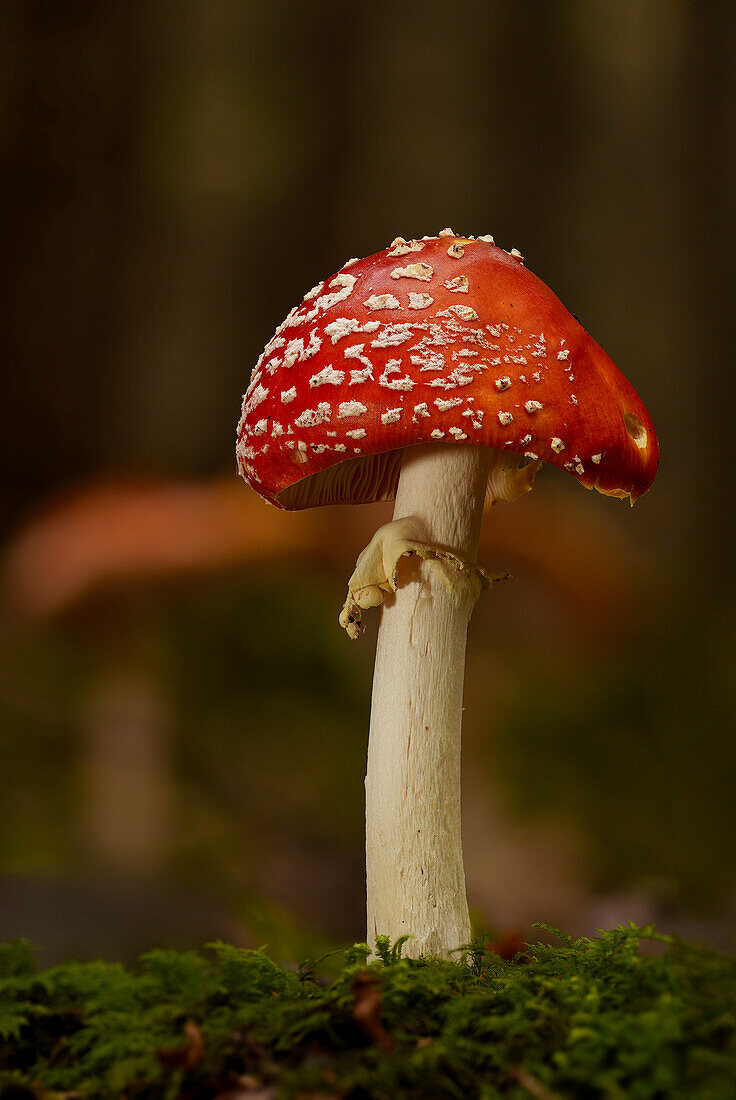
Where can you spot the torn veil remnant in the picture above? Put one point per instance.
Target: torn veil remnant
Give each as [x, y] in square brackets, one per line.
[382, 385]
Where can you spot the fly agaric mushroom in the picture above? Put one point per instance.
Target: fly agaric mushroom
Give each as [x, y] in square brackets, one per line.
[439, 372]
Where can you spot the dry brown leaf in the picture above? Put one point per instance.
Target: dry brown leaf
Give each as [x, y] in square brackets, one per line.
[367, 1012]
[188, 1056]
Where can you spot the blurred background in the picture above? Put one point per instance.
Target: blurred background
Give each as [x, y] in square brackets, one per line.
[182, 723]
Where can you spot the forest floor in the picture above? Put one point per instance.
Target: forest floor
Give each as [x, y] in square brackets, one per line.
[628, 1014]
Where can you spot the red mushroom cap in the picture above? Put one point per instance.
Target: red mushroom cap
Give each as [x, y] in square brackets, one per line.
[442, 339]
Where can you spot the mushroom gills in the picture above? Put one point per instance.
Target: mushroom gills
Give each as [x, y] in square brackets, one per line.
[367, 479]
[362, 480]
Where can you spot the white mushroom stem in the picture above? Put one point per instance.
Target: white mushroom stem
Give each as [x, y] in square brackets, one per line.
[415, 875]
[422, 567]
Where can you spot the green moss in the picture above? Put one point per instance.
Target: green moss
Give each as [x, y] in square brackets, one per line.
[587, 1018]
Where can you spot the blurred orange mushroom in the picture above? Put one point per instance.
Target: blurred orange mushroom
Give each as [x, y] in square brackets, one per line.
[115, 531]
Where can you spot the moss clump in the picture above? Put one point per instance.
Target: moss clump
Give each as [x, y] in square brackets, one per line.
[587, 1018]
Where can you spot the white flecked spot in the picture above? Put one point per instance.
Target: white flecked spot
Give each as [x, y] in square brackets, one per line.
[502, 384]
[446, 233]
[525, 440]
[356, 352]
[455, 378]
[420, 271]
[533, 406]
[313, 292]
[261, 427]
[506, 418]
[341, 326]
[428, 360]
[445, 403]
[319, 448]
[315, 343]
[288, 395]
[531, 454]
[596, 458]
[311, 418]
[351, 408]
[437, 434]
[465, 313]
[557, 445]
[439, 337]
[420, 410]
[456, 250]
[371, 326]
[259, 394]
[294, 318]
[399, 247]
[294, 351]
[357, 433]
[573, 399]
[458, 285]
[564, 354]
[391, 416]
[487, 239]
[345, 283]
[517, 255]
[575, 465]
[358, 376]
[381, 301]
[328, 376]
[350, 262]
[340, 447]
[460, 376]
[419, 301]
[458, 433]
[404, 383]
[394, 367]
[392, 335]
[277, 429]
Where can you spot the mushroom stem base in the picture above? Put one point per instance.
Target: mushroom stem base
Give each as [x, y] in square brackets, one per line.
[415, 875]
